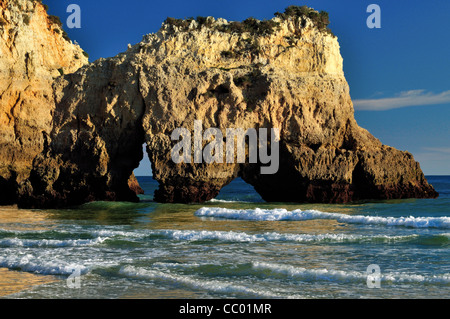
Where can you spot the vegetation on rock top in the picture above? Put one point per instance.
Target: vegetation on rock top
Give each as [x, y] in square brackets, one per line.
[254, 26]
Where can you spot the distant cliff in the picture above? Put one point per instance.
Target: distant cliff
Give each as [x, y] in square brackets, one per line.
[284, 73]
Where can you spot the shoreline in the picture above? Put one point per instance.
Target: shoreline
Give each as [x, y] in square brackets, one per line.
[12, 281]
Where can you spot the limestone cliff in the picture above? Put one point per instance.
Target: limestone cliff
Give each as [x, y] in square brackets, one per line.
[284, 73]
[34, 50]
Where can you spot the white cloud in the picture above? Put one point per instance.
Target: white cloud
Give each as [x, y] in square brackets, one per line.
[403, 99]
[445, 150]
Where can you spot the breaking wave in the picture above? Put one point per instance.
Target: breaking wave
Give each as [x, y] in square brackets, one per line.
[212, 285]
[17, 242]
[232, 236]
[281, 214]
[340, 275]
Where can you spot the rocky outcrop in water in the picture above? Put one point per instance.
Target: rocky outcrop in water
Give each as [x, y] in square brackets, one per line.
[34, 50]
[285, 73]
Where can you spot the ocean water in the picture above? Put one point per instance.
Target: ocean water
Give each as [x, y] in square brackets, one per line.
[235, 246]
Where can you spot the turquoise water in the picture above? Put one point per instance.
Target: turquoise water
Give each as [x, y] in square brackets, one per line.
[236, 246]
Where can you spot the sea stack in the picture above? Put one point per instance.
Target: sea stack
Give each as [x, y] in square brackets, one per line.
[284, 73]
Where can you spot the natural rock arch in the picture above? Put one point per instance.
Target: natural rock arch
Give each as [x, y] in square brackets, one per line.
[291, 79]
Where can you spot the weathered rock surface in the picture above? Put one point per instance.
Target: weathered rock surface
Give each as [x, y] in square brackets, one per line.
[33, 52]
[134, 186]
[290, 79]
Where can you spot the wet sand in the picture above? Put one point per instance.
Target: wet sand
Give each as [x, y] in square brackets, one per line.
[12, 281]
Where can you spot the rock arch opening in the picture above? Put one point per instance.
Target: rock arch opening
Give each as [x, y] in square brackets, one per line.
[145, 166]
[238, 190]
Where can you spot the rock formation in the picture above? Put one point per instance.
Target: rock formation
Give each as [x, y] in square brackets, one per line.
[285, 73]
[34, 50]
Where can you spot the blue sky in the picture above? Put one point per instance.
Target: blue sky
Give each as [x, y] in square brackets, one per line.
[398, 74]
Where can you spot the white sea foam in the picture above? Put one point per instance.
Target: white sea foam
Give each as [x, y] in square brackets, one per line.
[340, 275]
[108, 232]
[196, 235]
[281, 214]
[177, 265]
[17, 242]
[56, 261]
[194, 282]
[23, 232]
[43, 266]
[309, 274]
[119, 233]
[215, 200]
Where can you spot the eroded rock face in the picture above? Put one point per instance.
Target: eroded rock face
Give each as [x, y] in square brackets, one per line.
[33, 52]
[291, 79]
[96, 140]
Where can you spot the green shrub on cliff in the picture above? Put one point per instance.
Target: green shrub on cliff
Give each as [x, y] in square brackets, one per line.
[320, 19]
[55, 20]
[264, 27]
[184, 24]
[204, 21]
[254, 26]
[65, 36]
[251, 25]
